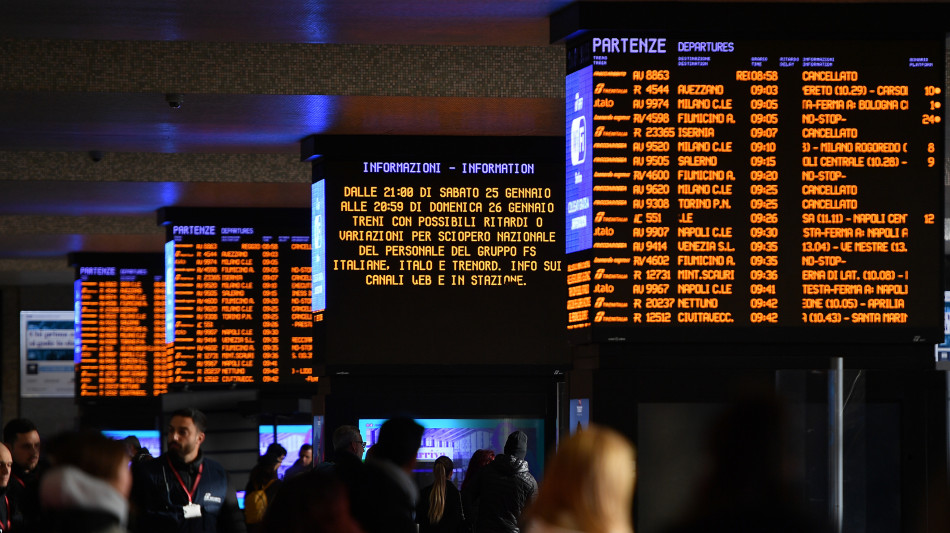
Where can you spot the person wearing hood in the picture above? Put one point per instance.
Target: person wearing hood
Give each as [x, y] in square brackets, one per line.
[504, 488]
[87, 490]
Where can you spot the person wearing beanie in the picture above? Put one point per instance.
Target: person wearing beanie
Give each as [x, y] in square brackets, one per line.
[504, 488]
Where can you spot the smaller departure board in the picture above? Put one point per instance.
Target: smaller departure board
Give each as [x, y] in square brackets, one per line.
[449, 251]
[238, 296]
[120, 325]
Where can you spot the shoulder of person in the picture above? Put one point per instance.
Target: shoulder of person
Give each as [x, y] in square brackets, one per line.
[212, 465]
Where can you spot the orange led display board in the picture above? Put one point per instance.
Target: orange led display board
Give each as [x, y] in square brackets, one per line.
[238, 296]
[449, 250]
[754, 188]
[120, 325]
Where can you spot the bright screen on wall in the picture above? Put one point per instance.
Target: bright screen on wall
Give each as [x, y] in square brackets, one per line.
[47, 350]
[150, 439]
[459, 438]
[755, 188]
[290, 436]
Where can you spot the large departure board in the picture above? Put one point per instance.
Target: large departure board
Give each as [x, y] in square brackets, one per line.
[779, 189]
[447, 252]
[120, 325]
[238, 296]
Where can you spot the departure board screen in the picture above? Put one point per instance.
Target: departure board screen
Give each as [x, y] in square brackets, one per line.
[120, 325]
[788, 189]
[443, 257]
[238, 296]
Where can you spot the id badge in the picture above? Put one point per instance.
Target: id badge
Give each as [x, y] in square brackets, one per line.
[192, 510]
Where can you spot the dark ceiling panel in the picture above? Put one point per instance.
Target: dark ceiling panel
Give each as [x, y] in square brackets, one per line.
[521, 22]
[50, 217]
[75, 198]
[143, 122]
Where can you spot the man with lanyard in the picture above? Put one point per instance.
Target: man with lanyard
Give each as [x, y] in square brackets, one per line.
[23, 443]
[182, 490]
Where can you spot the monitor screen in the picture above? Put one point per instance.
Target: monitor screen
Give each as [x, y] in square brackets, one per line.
[291, 437]
[150, 439]
[459, 438]
[722, 187]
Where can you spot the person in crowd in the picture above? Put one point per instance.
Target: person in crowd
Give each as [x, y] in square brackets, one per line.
[182, 490]
[313, 502]
[504, 488]
[9, 510]
[749, 486]
[262, 485]
[587, 487]
[23, 440]
[303, 464]
[87, 489]
[276, 450]
[137, 452]
[348, 445]
[439, 509]
[385, 499]
[479, 460]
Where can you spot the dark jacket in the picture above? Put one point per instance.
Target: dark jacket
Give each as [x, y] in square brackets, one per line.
[384, 498]
[452, 515]
[502, 490]
[24, 489]
[10, 515]
[158, 497]
[270, 488]
[297, 468]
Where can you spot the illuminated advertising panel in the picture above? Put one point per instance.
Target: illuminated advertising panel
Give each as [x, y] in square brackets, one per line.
[46, 354]
[318, 247]
[578, 161]
[459, 438]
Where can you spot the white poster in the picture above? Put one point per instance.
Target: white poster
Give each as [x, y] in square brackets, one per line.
[47, 340]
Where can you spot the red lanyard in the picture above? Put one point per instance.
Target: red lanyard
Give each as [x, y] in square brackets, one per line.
[194, 488]
[20, 481]
[9, 518]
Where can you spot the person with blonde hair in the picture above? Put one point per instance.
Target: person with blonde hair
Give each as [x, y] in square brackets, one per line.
[587, 486]
[439, 509]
